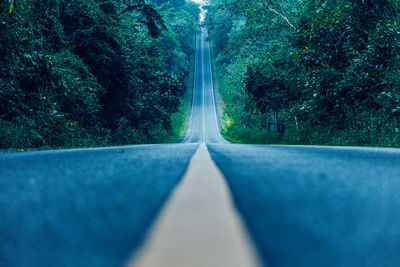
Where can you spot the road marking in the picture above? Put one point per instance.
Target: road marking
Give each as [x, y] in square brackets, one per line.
[202, 71]
[199, 226]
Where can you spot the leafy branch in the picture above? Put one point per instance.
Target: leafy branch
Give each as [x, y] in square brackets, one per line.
[152, 19]
[285, 18]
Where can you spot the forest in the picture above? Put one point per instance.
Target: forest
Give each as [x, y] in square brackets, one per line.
[87, 73]
[113, 72]
[329, 71]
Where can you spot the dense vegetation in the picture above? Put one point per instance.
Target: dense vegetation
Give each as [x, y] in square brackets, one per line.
[92, 72]
[329, 70]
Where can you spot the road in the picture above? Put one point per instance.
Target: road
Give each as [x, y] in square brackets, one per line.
[303, 206]
[199, 225]
[203, 124]
[317, 206]
[88, 207]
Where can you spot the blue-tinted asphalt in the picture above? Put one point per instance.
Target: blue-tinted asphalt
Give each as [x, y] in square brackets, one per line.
[83, 207]
[317, 206]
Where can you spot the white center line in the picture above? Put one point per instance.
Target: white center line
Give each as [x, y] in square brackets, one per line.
[202, 71]
[199, 226]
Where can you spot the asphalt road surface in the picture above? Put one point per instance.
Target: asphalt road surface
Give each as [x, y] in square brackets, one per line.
[315, 206]
[303, 206]
[87, 207]
[203, 126]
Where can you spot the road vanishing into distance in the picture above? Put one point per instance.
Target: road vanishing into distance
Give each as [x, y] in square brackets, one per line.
[203, 202]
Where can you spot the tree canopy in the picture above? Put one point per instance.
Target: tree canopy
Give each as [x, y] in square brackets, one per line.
[329, 68]
[90, 72]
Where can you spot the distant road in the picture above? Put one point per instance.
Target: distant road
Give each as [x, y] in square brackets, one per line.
[303, 206]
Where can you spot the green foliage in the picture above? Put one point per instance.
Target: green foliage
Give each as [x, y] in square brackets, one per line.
[350, 52]
[179, 42]
[86, 73]
[271, 81]
[220, 24]
[329, 69]
[148, 16]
